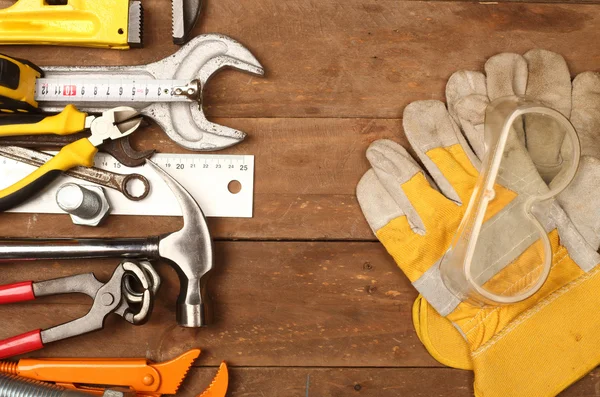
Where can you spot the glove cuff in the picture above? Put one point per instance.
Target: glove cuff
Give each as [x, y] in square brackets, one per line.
[545, 349]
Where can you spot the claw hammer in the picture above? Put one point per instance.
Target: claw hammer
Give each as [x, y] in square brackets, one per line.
[189, 251]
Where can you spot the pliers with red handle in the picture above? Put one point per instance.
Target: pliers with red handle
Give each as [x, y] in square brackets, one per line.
[116, 296]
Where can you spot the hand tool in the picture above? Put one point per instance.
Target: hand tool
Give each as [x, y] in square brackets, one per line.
[189, 251]
[185, 16]
[112, 124]
[13, 385]
[92, 23]
[113, 180]
[109, 298]
[219, 171]
[120, 149]
[87, 205]
[168, 91]
[17, 85]
[140, 376]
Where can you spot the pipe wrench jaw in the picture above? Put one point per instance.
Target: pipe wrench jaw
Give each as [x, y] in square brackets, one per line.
[185, 14]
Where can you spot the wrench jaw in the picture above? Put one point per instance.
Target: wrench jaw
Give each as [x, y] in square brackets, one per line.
[187, 126]
[184, 122]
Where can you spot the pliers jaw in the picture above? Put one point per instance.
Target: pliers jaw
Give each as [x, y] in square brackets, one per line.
[111, 297]
[113, 124]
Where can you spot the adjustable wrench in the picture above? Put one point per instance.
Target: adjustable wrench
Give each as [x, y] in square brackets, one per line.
[182, 118]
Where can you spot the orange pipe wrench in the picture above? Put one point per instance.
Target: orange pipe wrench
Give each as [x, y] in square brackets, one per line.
[139, 375]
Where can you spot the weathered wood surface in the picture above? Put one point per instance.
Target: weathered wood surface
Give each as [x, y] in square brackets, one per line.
[276, 303]
[306, 174]
[344, 382]
[357, 58]
[327, 312]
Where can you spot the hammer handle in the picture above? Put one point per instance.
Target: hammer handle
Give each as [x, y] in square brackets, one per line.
[84, 248]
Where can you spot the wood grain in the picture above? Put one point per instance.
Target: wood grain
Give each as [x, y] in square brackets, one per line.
[359, 382]
[357, 58]
[326, 310]
[306, 175]
[353, 59]
[276, 303]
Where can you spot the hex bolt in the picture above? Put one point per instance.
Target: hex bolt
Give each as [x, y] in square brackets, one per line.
[87, 205]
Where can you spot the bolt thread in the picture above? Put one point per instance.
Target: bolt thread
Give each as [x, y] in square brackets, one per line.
[17, 386]
[9, 367]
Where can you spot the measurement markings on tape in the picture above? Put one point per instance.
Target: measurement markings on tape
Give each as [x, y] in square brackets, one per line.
[111, 90]
[223, 185]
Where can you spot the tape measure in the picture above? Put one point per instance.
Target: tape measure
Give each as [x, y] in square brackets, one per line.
[22, 86]
[223, 185]
[103, 90]
[17, 84]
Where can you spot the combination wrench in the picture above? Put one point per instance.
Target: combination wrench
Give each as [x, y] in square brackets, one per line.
[96, 175]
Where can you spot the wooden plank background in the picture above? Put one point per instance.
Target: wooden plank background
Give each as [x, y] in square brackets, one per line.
[307, 302]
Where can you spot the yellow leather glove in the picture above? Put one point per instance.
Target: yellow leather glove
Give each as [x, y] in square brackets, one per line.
[543, 76]
[533, 348]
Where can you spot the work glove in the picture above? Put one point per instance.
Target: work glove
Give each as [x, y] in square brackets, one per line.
[535, 347]
[544, 77]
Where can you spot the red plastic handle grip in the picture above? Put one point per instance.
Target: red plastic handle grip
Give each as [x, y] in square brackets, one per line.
[18, 292]
[21, 344]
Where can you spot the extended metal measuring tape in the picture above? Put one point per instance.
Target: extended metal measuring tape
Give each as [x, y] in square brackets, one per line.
[70, 90]
[168, 91]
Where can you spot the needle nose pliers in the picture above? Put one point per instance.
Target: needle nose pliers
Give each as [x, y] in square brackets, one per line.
[112, 124]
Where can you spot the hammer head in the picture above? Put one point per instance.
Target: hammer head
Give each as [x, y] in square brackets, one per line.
[190, 252]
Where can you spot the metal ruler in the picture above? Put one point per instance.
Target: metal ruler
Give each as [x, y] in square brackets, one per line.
[207, 177]
[66, 89]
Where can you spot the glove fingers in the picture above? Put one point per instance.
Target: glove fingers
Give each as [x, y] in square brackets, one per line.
[412, 219]
[376, 203]
[550, 84]
[581, 201]
[506, 75]
[467, 100]
[441, 147]
[549, 80]
[380, 192]
[585, 115]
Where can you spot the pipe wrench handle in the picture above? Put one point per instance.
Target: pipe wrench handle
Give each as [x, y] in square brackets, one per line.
[78, 153]
[84, 23]
[21, 344]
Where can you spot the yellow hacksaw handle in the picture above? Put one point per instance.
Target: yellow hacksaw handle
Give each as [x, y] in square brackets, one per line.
[69, 121]
[89, 23]
[78, 153]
